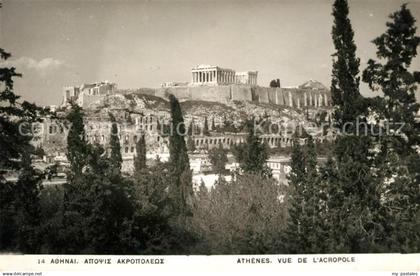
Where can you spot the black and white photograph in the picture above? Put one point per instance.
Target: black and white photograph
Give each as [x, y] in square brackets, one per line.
[209, 127]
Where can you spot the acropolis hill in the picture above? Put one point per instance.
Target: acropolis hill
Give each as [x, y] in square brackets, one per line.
[222, 97]
[212, 84]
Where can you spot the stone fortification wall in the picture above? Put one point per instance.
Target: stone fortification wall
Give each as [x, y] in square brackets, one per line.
[294, 97]
[221, 93]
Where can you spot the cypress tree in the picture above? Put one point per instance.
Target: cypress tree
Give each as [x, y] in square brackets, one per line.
[295, 236]
[345, 81]
[76, 203]
[353, 197]
[190, 131]
[140, 158]
[114, 143]
[77, 148]
[206, 127]
[181, 186]
[213, 125]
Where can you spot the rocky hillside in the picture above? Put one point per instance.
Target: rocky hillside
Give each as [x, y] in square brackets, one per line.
[236, 111]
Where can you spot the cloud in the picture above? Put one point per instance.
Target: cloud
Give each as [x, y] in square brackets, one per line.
[42, 66]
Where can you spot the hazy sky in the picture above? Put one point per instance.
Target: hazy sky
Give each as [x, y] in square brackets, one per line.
[144, 43]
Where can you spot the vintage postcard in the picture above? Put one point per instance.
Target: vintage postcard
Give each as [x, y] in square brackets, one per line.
[212, 136]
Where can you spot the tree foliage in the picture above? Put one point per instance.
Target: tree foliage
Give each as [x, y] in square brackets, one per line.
[397, 157]
[252, 155]
[218, 158]
[19, 201]
[275, 83]
[244, 216]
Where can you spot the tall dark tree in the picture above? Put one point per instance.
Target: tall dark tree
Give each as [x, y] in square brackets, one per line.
[76, 203]
[181, 186]
[353, 195]
[345, 81]
[114, 144]
[140, 158]
[190, 130]
[77, 147]
[213, 124]
[206, 131]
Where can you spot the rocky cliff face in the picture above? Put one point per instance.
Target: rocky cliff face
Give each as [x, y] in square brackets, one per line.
[130, 105]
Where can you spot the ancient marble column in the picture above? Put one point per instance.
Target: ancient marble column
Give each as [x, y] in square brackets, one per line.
[290, 100]
[304, 99]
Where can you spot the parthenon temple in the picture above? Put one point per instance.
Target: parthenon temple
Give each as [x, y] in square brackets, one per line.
[214, 75]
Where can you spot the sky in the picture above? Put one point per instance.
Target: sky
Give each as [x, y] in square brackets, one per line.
[144, 43]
